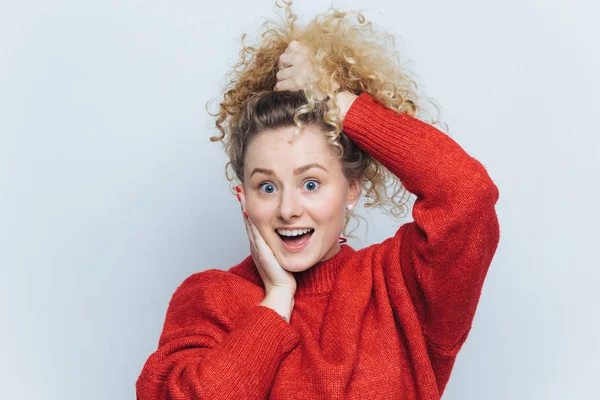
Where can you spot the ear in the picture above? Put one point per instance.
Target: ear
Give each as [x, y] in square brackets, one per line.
[354, 191]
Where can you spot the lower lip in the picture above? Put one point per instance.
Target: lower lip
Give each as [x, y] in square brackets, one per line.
[298, 247]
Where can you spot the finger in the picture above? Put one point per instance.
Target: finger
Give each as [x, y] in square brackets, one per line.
[264, 250]
[263, 247]
[291, 59]
[248, 230]
[287, 84]
[253, 234]
[242, 197]
[284, 74]
[258, 239]
[247, 222]
[281, 66]
[297, 47]
[283, 61]
[291, 46]
[250, 239]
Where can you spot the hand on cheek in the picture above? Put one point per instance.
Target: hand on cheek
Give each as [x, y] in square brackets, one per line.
[271, 272]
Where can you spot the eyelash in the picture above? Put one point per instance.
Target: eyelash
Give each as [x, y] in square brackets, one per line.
[260, 185]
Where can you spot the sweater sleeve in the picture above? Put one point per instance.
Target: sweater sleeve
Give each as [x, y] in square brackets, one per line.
[205, 353]
[442, 257]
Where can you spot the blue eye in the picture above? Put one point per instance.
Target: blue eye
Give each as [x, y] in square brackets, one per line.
[311, 185]
[270, 187]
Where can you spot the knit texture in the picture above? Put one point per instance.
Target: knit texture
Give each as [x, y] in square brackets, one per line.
[384, 322]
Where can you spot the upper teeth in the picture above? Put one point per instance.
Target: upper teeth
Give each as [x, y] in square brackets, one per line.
[295, 232]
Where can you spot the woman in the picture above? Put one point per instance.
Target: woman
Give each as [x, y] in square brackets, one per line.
[313, 120]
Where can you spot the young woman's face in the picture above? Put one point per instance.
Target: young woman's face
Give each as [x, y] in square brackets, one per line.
[297, 185]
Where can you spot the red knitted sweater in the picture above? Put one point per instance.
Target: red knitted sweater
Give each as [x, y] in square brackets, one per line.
[384, 322]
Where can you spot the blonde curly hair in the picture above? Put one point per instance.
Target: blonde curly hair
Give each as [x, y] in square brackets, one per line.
[360, 58]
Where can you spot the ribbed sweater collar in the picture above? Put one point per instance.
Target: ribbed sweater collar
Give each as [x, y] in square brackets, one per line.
[318, 279]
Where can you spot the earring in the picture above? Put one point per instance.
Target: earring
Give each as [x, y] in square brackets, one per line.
[350, 207]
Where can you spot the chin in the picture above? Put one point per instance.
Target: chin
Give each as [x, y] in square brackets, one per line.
[294, 266]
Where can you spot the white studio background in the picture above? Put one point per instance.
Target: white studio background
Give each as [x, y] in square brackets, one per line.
[111, 193]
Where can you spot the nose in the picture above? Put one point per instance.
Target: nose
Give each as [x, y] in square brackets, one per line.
[290, 205]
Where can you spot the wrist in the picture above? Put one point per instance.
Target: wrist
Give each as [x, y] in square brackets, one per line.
[344, 99]
[281, 301]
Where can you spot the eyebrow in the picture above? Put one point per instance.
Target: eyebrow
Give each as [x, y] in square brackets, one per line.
[297, 171]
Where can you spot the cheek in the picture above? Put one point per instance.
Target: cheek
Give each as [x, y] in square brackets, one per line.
[261, 211]
[327, 209]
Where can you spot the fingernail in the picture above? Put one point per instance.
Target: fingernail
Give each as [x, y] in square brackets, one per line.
[238, 196]
[237, 188]
[246, 214]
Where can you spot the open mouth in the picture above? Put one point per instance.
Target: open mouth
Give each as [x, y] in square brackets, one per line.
[295, 242]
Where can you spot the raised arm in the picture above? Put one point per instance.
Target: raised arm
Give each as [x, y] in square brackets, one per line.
[442, 257]
[204, 352]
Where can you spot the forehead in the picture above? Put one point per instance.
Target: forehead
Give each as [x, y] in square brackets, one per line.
[275, 149]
